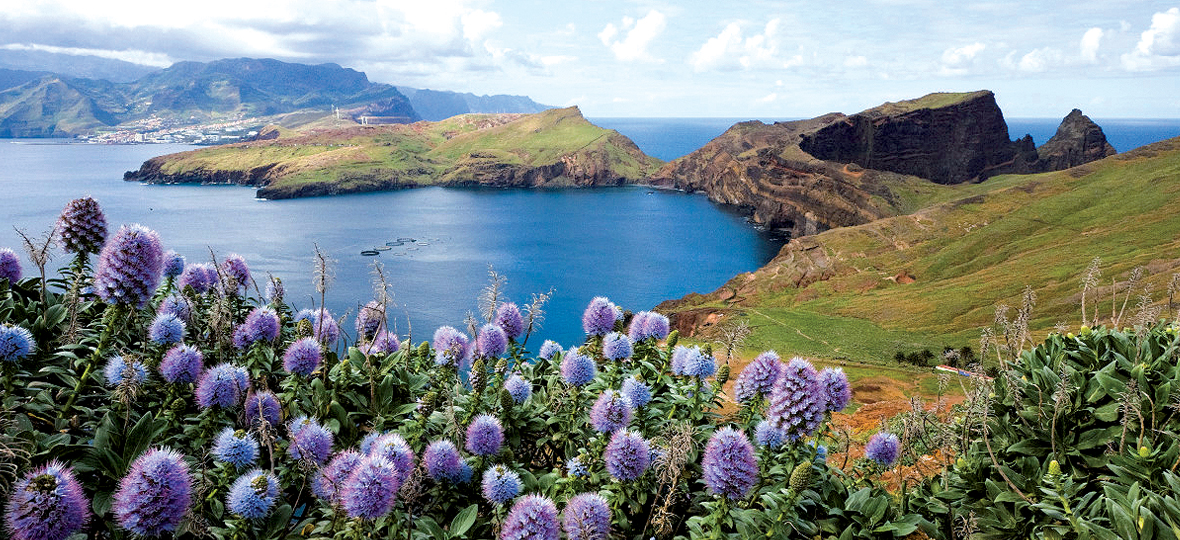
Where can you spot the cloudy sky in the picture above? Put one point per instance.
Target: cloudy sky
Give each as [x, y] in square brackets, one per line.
[757, 59]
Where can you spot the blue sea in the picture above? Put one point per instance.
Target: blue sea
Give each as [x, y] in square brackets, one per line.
[636, 246]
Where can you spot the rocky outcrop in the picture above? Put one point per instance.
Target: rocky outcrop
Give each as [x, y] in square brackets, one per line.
[962, 138]
[837, 170]
[1078, 141]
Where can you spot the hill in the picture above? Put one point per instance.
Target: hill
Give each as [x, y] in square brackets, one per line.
[935, 275]
[557, 147]
[837, 170]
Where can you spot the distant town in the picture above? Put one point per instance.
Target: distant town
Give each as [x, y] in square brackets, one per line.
[157, 130]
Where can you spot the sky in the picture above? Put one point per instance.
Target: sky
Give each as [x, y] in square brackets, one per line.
[621, 58]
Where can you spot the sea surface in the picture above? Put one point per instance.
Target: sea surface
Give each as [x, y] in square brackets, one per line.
[636, 246]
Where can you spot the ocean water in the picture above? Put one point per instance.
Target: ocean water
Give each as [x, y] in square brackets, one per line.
[636, 246]
[1122, 133]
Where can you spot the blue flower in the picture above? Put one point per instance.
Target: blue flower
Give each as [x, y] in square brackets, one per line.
[175, 304]
[443, 462]
[303, 357]
[16, 343]
[182, 364]
[757, 378]
[263, 406]
[797, 401]
[253, 494]
[9, 266]
[729, 466]
[309, 440]
[329, 482]
[492, 342]
[599, 317]
[451, 347]
[837, 391]
[519, 388]
[47, 504]
[768, 435]
[533, 517]
[883, 448]
[638, 393]
[548, 349]
[82, 226]
[627, 455]
[648, 325]
[118, 369]
[371, 490]
[394, 448]
[574, 467]
[234, 267]
[578, 369]
[129, 267]
[173, 264]
[200, 276]
[237, 448]
[166, 329]
[369, 320]
[610, 412]
[323, 326]
[587, 516]
[155, 495]
[616, 346]
[509, 318]
[485, 434]
[500, 485]
[222, 385]
[262, 324]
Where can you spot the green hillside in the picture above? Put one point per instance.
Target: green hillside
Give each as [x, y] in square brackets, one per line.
[972, 248]
[554, 147]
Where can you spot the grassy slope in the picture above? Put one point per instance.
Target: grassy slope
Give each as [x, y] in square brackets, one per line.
[420, 153]
[975, 251]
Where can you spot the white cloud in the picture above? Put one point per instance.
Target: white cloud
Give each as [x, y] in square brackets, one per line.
[136, 57]
[769, 98]
[856, 61]
[1090, 42]
[636, 36]
[729, 50]
[958, 60]
[1041, 59]
[1159, 46]
[479, 23]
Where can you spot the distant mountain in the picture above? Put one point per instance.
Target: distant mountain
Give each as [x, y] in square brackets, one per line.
[192, 92]
[74, 66]
[16, 77]
[437, 105]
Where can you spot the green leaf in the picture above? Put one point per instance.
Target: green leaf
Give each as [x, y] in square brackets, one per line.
[464, 520]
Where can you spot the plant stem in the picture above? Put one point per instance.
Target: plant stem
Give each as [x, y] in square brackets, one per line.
[108, 322]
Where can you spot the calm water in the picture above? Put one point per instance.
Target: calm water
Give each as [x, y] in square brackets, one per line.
[634, 246]
[1122, 133]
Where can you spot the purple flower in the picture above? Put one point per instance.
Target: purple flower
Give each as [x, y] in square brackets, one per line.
[492, 342]
[548, 349]
[443, 462]
[636, 392]
[586, 516]
[883, 448]
[371, 490]
[274, 290]
[757, 378]
[648, 325]
[235, 268]
[129, 267]
[309, 440]
[182, 364]
[82, 227]
[367, 442]
[16, 343]
[329, 482]
[681, 357]
[237, 448]
[201, 277]
[173, 264]
[627, 455]
[616, 346]
[599, 317]
[578, 369]
[47, 504]
[175, 304]
[574, 467]
[837, 392]
[500, 485]
[118, 369]
[769, 436]
[222, 385]
[323, 326]
[9, 265]
[383, 343]
[253, 494]
[519, 388]
[166, 329]
[797, 402]
[394, 448]
[485, 435]
[451, 347]
[692, 362]
[533, 517]
[155, 495]
[262, 324]
[612, 411]
[729, 467]
[509, 318]
[370, 319]
[303, 357]
[263, 406]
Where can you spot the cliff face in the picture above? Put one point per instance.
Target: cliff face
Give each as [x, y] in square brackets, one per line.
[836, 170]
[964, 140]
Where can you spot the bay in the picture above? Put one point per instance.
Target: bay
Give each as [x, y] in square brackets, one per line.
[634, 245]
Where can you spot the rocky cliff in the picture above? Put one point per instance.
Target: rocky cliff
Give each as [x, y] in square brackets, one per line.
[837, 170]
